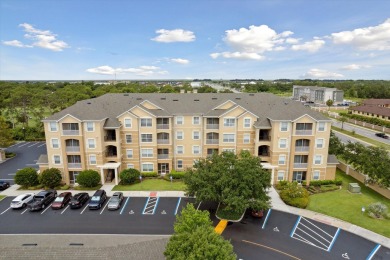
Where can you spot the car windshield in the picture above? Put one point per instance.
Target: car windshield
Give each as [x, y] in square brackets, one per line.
[38, 198]
[114, 199]
[95, 198]
[59, 199]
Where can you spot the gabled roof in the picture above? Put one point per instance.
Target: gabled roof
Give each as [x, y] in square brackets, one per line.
[378, 102]
[382, 111]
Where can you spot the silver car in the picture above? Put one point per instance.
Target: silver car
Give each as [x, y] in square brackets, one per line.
[21, 201]
[116, 201]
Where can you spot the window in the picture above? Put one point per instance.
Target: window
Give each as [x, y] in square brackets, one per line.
[146, 138]
[130, 166]
[229, 122]
[179, 120]
[57, 159]
[147, 152]
[128, 122]
[316, 175]
[53, 127]
[129, 153]
[280, 175]
[92, 159]
[179, 149]
[129, 139]
[228, 138]
[55, 143]
[247, 122]
[317, 159]
[90, 126]
[282, 143]
[195, 120]
[179, 135]
[195, 149]
[195, 135]
[247, 138]
[320, 143]
[229, 150]
[284, 126]
[146, 122]
[321, 126]
[147, 167]
[179, 164]
[282, 159]
[91, 143]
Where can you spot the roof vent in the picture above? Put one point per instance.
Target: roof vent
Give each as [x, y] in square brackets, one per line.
[175, 100]
[196, 99]
[238, 98]
[214, 98]
[126, 94]
[251, 94]
[163, 98]
[138, 98]
[88, 103]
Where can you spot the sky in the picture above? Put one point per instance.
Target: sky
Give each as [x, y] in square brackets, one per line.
[202, 39]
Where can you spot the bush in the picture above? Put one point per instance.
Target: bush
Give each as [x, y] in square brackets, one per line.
[37, 187]
[88, 178]
[177, 175]
[281, 185]
[50, 178]
[149, 174]
[295, 202]
[9, 155]
[295, 195]
[325, 182]
[64, 187]
[129, 176]
[377, 210]
[26, 177]
[328, 187]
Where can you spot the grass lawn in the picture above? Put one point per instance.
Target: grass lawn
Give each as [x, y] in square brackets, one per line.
[347, 206]
[152, 185]
[2, 197]
[360, 137]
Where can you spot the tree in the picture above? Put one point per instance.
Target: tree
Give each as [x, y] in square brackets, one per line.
[238, 182]
[129, 176]
[50, 178]
[88, 178]
[329, 103]
[195, 238]
[26, 177]
[336, 147]
[5, 133]
[342, 119]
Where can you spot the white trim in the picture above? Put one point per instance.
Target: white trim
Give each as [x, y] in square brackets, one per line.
[131, 137]
[323, 142]
[249, 138]
[182, 122]
[304, 116]
[58, 142]
[127, 154]
[279, 142]
[193, 149]
[147, 150]
[177, 146]
[130, 166]
[319, 175]
[318, 126]
[250, 122]
[70, 116]
[280, 126]
[89, 159]
[127, 112]
[229, 118]
[140, 122]
[194, 135]
[177, 164]
[182, 135]
[247, 111]
[285, 158]
[149, 163]
[223, 138]
[193, 120]
[94, 143]
[57, 126]
[284, 175]
[137, 106]
[86, 126]
[146, 100]
[314, 159]
[54, 161]
[146, 134]
[124, 122]
[217, 107]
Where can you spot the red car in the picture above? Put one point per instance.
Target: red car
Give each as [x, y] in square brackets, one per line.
[61, 200]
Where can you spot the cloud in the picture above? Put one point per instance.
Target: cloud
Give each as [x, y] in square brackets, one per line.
[321, 74]
[16, 43]
[375, 38]
[238, 55]
[177, 35]
[355, 67]
[311, 46]
[140, 71]
[180, 61]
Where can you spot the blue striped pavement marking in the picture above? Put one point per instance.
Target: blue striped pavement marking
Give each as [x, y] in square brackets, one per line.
[266, 218]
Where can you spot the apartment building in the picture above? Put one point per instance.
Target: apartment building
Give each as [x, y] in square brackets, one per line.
[378, 108]
[162, 132]
[317, 94]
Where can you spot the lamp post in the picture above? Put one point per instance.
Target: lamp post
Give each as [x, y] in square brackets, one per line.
[24, 133]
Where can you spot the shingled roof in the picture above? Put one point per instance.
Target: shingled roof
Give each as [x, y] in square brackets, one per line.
[377, 102]
[382, 111]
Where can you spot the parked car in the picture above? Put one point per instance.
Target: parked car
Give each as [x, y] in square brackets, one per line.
[61, 200]
[382, 135]
[22, 200]
[42, 200]
[116, 201]
[97, 199]
[78, 200]
[4, 185]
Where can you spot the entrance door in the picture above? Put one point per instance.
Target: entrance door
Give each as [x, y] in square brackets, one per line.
[163, 168]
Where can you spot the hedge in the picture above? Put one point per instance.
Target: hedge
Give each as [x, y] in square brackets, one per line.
[177, 175]
[50, 178]
[295, 202]
[26, 177]
[371, 120]
[129, 176]
[149, 174]
[325, 182]
[88, 178]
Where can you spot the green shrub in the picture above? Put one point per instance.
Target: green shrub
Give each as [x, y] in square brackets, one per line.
[129, 176]
[50, 178]
[377, 210]
[26, 177]
[295, 195]
[304, 183]
[325, 182]
[149, 174]
[9, 155]
[64, 187]
[177, 175]
[281, 185]
[328, 187]
[37, 187]
[88, 178]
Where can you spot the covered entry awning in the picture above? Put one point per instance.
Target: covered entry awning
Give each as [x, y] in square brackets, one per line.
[111, 165]
[271, 167]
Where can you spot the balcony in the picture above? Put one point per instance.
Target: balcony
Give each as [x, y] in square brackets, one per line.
[110, 138]
[303, 132]
[162, 141]
[300, 165]
[302, 148]
[72, 149]
[212, 126]
[74, 165]
[163, 156]
[111, 155]
[70, 132]
[212, 141]
[264, 138]
[162, 126]
[264, 154]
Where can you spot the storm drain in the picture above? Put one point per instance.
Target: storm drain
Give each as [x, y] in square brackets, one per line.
[29, 244]
[76, 244]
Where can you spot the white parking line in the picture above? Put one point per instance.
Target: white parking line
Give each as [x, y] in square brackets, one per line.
[65, 209]
[104, 208]
[4, 211]
[31, 164]
[32, 145]
[46, 209]
[7, 179]
[124, 206]
[12, 145]
[11, 173]
[150, 206]
[23, 144]
[177, 205]
[41, 145]
[84, 209]
[23, 212]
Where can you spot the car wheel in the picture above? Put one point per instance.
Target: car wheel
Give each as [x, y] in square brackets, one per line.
[43, 206]
[100, 206]
[24, 205]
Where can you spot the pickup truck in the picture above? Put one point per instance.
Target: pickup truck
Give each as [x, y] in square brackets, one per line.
[42, 200]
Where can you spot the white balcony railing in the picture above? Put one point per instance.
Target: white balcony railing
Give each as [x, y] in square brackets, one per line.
[162, 126]
[72, 148]
[70, 132]
[302, 148]
[162, 141]
[212, 126]
[162, 156]
[212, 141]
[300, 165]
[74, 165]
[303, 132]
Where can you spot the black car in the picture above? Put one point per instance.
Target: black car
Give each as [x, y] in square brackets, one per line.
[4, 185]
[79, 200]
[382, 135]
[97, 199]
[42, 200]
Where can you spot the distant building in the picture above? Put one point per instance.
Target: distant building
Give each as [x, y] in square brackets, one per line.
[317, 94]
[196, 84]
[379, 108]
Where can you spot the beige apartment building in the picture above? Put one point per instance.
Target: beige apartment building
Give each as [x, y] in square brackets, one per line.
[164, 132]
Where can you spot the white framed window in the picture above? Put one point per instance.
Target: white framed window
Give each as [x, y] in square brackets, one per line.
[318, 159]
[194, 162]
[179, 164]
[179, 149]
[147, 152]
[195, 135]
[91, 143]
[196, 120]
[321, 126]
[147, 167]
[231, 150]
[146, 122]
[130, 166]
[146, 138]
[90, 126]
[196, 149]
[129, 153]
[229, 138]
[316, 175]
[320, 143]
[129, 139]
[53, 126]
[55, 143]
[179, 120]
[247, 138]
[229, 122]
[283, 143]
[92, 159]
[247, 122]
[56, 159]
[179, 135]
[127, 122]
[283, 126]
[282, 159]
[280, 175]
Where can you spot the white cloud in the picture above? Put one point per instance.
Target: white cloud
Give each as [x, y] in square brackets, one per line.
[180, 61]
[238, 55]
[355, 67]
[140, 71]
[292, 40]
[16, 43]
[321, 74]
[177, 35]
[367, 38]
[311, 46]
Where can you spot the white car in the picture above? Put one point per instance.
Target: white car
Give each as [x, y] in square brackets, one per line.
[21, 201]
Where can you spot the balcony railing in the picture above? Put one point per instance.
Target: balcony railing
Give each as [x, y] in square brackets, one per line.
[108, 155]
[70, 132]
[162, 141]
[74, 165]
[303, 132]
[162, 126]
[300, 165]
[302, 148]
[264, 138]
[110, 138]
[212, 141]
[263, 154]
[212, 126]
[162, 156]
[72, 148]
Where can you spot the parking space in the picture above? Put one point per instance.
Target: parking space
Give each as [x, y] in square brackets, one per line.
[280, 222]
[150, 206]
[380, 253]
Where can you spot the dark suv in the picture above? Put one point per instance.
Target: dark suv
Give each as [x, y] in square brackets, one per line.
[79, 200]
[42, 199]
[383, 135]
[97, 199]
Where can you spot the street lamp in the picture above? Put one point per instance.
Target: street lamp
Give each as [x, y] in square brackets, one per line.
[24, 134]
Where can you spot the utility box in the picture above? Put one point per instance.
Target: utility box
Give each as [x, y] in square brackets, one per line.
[354, 188]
